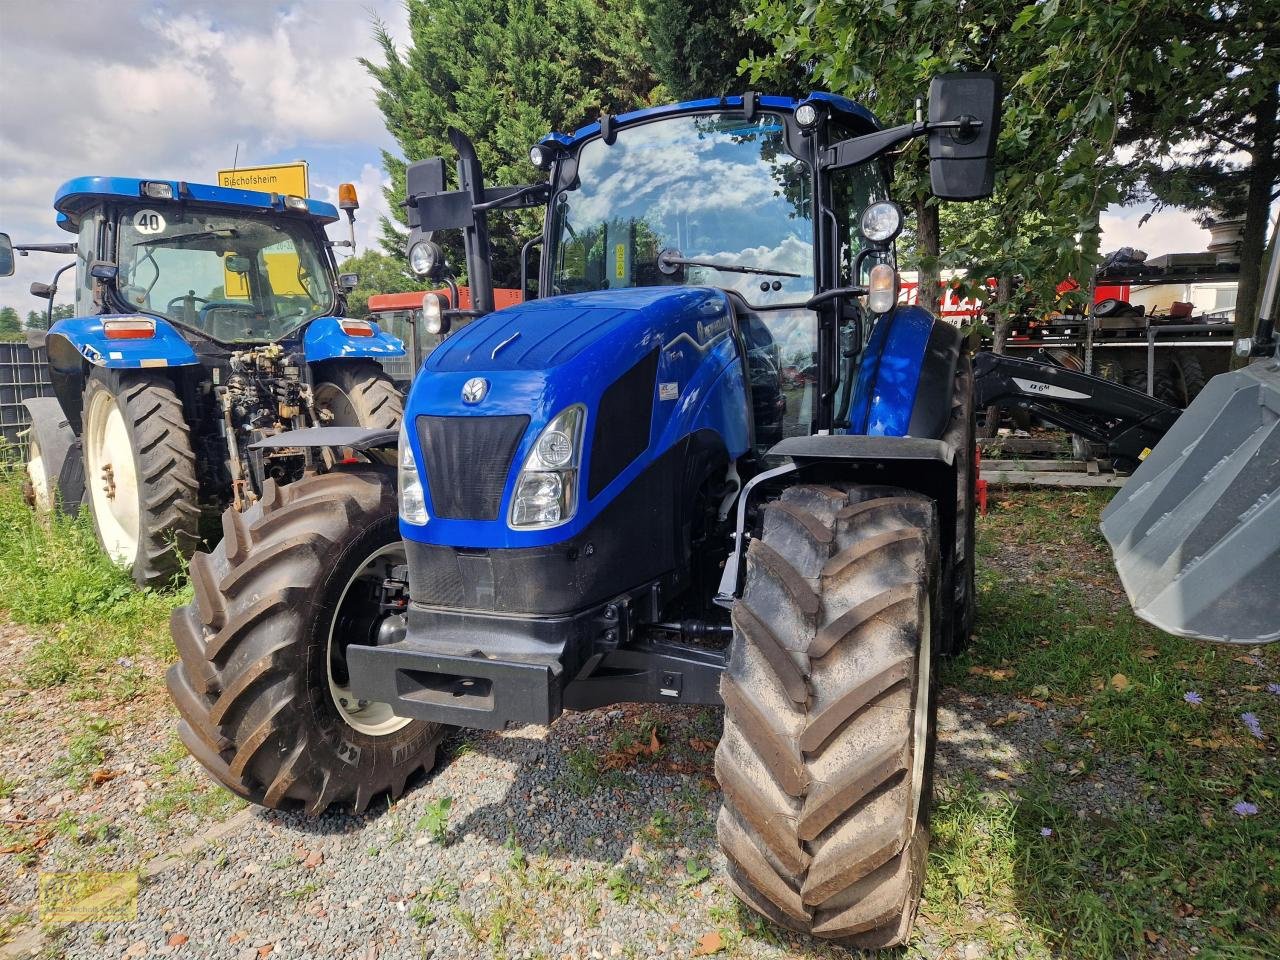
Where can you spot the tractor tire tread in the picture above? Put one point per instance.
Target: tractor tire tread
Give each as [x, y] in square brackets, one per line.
[818, 793]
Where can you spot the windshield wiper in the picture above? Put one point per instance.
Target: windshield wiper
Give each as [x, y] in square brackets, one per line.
[669, 260]
[227, 234]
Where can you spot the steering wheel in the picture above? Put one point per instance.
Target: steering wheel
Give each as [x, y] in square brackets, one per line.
[184, 298]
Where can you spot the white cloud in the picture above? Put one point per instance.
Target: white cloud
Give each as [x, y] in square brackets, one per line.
[1169, 231]
[154, 88]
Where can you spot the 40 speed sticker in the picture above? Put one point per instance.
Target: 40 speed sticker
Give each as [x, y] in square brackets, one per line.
[149, 222]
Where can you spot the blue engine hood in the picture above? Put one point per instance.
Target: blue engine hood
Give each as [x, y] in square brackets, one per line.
[551, 332]
[540, 357]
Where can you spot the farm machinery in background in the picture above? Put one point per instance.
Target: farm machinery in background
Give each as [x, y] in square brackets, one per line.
[206, 318]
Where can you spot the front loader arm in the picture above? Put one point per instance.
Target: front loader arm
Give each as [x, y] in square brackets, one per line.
[1127, 421]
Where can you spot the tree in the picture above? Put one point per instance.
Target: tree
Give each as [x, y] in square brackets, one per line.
[505, 72]
[379, 273]
[10, 322]
[1054, 169]
[698, 48]
[1204, 125]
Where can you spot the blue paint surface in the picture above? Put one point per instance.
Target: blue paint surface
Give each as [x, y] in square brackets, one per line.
[889, 374]
[543, 356]
[325, 339]
[76, 196]
[840, 106]
[167, 348]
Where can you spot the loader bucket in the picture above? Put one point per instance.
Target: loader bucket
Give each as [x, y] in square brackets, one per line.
[1196, 529]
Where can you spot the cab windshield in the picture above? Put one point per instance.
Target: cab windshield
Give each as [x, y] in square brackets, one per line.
[233, 276]
[712, 188]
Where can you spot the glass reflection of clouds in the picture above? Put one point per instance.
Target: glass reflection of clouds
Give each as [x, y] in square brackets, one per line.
[715, 187]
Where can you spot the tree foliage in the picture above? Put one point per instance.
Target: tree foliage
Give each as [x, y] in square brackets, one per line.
[505, 72]
[698, 48]
[1174, 79]
[10, 321]
[379, 273]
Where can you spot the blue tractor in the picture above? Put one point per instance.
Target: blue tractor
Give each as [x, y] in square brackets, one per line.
[206, 318]
[714, 462]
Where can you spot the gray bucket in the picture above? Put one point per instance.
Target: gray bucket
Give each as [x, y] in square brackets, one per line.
[1196, 530]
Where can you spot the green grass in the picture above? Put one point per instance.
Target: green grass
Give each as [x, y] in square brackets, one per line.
[92, 624]
[1166, 867]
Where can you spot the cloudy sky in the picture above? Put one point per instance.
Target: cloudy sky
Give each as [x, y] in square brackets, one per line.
[169, 89]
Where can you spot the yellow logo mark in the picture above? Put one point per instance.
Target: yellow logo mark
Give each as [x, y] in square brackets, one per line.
[620, 261]
[88, 897]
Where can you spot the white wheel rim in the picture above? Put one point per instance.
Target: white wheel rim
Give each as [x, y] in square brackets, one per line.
[39, 479]
[920, 723]
[369, 717]
[112, 479]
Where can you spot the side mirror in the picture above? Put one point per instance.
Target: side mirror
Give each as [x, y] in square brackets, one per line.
[45, 291]
[236, 264]
[348, 281]
[6, 256]
[104, 270]
[964, 124]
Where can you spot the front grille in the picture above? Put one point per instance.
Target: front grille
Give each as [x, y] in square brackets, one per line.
[467, 460]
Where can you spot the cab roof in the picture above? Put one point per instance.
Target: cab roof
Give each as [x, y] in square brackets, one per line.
[75, 197]
[845, 109]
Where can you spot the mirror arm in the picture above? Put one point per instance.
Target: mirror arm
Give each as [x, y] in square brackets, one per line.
[856, 150]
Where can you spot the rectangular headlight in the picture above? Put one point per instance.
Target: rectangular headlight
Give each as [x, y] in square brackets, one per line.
[546, 493]
[413, 502]
[157, 189]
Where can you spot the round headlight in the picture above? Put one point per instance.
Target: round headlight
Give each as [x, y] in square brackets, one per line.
[425, 258]
[433, 318]
[555, 448]
[541, 156]
[807, 116]
[882, 221]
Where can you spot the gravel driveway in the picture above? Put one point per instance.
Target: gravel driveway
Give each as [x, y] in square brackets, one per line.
[579, 841]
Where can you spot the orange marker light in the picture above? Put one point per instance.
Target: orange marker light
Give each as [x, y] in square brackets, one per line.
[133, 328]
[357, 328]
[347, 199]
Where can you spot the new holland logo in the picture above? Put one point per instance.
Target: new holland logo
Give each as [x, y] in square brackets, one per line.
[474, 390]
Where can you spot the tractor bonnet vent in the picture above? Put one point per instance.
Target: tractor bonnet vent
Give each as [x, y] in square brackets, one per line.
[467, 461]
[622, 424]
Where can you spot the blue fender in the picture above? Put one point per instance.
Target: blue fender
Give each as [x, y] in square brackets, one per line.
[85, 336]
[326, 340]
[889, 373]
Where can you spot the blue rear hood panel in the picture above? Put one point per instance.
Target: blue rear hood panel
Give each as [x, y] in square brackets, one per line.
[543, 356]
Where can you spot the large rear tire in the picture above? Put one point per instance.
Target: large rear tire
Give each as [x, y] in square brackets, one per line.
[140, 474]
[261, 684]
[826, 759]
[356, 393]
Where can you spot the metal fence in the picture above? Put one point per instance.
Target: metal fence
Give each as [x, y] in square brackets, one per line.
[24, 374]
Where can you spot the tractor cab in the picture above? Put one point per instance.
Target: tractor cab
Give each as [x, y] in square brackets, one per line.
[234, 266]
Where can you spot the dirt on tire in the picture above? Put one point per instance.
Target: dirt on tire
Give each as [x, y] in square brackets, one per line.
[252, 684]
[826, 756]
[165, 467]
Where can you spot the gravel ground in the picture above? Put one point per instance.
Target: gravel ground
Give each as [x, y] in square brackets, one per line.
[546, 852]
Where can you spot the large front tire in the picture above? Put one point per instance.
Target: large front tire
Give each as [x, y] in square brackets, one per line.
[261, 685]
[827, 753]
[140, 474]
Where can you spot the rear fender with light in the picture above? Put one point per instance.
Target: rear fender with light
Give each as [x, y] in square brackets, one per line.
[110, 342]
[346, 338]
